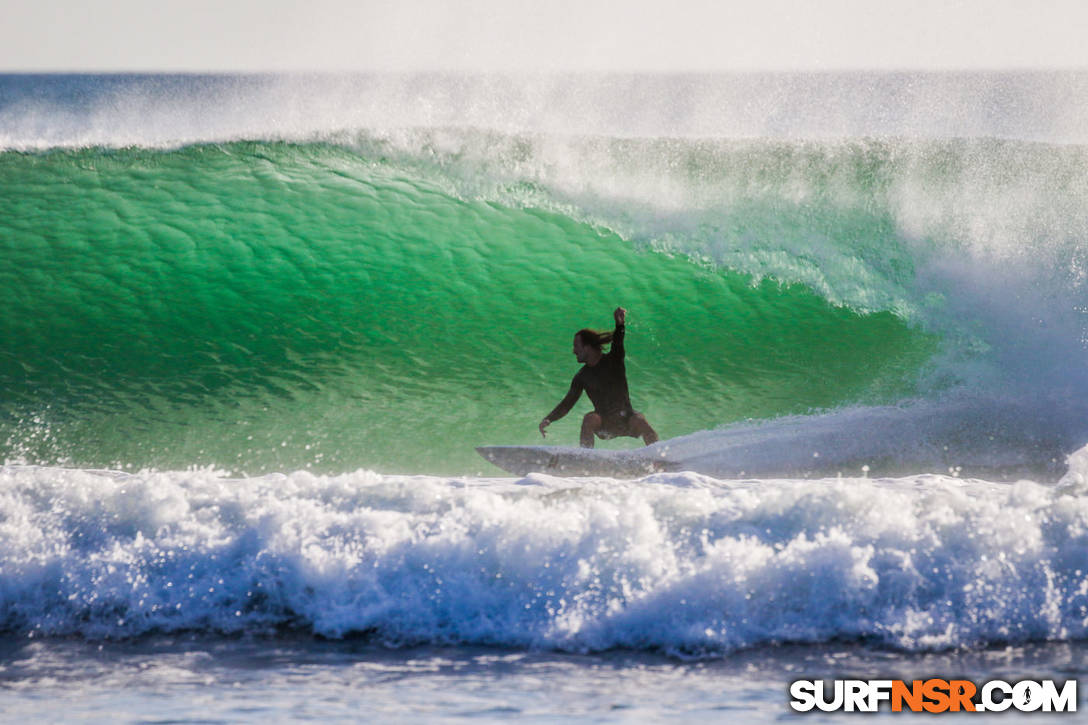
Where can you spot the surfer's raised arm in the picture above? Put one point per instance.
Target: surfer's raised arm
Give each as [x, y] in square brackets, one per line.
[620, 316]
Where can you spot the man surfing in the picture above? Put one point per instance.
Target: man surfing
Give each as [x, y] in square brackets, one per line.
[604, 379]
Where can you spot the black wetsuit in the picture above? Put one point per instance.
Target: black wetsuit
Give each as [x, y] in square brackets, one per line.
[606, 385]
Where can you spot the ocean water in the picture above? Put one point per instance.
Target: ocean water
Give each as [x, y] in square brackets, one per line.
[254, 326]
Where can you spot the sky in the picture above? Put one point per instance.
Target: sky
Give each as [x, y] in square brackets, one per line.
[540, 36]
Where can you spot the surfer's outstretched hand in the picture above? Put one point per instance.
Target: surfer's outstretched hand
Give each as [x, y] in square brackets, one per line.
[544, 424]
[620, 314]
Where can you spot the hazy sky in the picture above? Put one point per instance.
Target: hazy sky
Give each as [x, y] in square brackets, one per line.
[538, 35]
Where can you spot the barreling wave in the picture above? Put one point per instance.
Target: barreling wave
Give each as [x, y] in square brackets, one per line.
[267, 306]
[391, 297]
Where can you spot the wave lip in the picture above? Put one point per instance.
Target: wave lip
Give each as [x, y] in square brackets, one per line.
[676, 562]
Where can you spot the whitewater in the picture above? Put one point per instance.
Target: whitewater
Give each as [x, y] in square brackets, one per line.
[674, 562]
[254, 326]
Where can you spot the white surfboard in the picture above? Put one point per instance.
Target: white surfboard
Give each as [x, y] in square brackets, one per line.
[564, 461]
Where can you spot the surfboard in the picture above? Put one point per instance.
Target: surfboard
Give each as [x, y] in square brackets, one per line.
[565, 461]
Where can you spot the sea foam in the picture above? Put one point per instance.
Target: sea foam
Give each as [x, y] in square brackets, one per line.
[675, 562]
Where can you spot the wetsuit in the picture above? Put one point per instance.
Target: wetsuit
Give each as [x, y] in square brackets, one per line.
[606, 385]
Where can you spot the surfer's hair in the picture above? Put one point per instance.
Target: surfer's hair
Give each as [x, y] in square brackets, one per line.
[594, 338]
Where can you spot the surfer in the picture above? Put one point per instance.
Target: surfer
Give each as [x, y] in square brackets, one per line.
[604, 378]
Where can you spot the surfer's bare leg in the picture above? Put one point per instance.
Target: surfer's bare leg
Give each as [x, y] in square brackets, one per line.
[642, 429]
[590, 425]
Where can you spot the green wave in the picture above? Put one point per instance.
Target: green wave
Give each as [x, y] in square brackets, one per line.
[272, 306]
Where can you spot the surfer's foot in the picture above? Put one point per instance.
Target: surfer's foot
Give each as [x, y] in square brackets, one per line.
[642, 428]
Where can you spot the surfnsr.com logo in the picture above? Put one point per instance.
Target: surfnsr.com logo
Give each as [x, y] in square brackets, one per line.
[933, 695]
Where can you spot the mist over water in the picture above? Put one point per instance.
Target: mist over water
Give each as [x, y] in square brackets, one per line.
[120, 110]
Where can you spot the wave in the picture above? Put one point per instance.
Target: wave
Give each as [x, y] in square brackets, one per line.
[677, 562]
[381, 295]
[211, 279]
[994, 438]
[271, 306]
